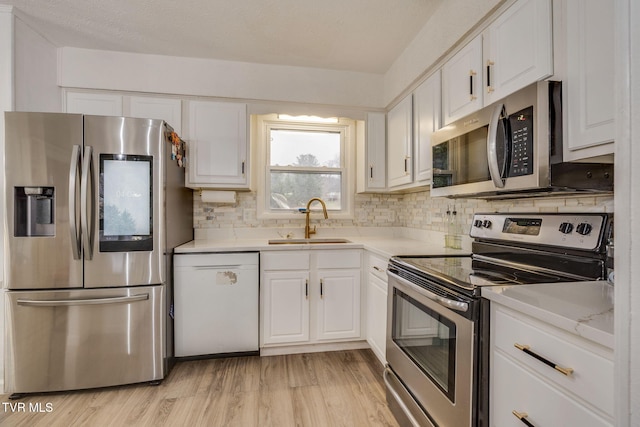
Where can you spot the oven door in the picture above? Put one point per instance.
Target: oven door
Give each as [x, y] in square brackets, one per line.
[430, 349]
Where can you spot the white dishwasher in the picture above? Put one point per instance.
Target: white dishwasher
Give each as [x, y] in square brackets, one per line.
[216, 303]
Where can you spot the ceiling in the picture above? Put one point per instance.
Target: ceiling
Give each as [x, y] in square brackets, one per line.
[355, 35]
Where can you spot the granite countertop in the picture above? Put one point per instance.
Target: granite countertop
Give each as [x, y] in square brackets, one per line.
[582, 308]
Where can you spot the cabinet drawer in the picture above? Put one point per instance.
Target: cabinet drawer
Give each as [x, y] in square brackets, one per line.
[285, 260]
[378, 266]
[338, 259]
[592, 376]
[515, 389]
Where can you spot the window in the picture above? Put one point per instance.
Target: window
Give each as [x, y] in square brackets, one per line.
[302, 160]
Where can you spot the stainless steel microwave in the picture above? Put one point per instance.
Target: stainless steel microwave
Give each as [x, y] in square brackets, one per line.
[512, 148]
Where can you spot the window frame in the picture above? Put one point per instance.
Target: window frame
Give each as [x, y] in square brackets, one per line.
[347, 129]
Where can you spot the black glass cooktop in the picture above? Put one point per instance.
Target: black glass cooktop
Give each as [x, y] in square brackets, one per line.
[472, 272]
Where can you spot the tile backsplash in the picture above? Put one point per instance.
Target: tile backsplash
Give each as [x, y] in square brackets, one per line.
[412, 210]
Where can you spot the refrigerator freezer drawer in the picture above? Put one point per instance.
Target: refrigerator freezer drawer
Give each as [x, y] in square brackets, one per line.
[67, 340]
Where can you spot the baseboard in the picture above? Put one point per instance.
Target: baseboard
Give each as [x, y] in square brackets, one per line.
[313, 348]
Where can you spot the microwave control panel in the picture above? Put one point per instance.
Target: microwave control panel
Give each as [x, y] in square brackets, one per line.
[521, 130]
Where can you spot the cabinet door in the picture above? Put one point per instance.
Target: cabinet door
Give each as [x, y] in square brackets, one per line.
[285, 307]
[514, 388]
[377, 317]
[146, 107]
[217, 145]
[376, 149]
[517, 49]
[426, 120]
[589, 89]
[97, 104]
[338, 304]
[462, 82]
[399, 143]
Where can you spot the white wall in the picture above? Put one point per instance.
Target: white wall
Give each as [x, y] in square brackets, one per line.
[36, 71]
[627, 204]
[95, 69]
[6, 104]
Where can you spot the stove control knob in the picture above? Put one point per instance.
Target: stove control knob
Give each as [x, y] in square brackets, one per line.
[486, 223]
[477, 223]
[584, 228]
[566, 228]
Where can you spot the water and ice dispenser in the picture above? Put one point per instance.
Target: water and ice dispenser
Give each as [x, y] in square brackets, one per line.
[34, 211]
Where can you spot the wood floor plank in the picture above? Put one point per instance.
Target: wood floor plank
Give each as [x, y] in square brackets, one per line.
[342, 388]
[276, 407]
[309, 408]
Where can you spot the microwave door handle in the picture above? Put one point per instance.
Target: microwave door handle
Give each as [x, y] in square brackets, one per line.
[492, 146]
[87, 203]
[73, 191]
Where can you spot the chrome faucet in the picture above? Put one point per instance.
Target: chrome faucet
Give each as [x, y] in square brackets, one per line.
[307, 229]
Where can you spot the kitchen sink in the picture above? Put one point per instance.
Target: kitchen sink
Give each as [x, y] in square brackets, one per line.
[307, 241]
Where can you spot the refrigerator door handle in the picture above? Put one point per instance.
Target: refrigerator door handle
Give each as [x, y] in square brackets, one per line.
[90, 301]
[87, 201]
[76, 243]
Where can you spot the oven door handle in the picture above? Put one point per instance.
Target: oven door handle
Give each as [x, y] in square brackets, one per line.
[445, 302]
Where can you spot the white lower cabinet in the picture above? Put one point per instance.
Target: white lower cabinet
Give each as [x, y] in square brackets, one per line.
[310, 297]
[527, 360]
[377, 306]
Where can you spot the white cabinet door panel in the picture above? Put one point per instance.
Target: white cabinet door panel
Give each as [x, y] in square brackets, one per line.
[462, 82]
[426, 120]
[339, 304]
[146, 107]
[589, 89]
[517, 49]
[217, 145]
[97, 104]
[399, 143]
[286, 307]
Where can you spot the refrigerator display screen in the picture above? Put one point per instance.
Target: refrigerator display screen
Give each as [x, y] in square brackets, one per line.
[126, 203]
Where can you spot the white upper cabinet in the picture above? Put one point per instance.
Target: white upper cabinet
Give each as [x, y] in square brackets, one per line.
[147, 107]
[217, 145]
[98, 104]
[514, 51]
[426, 120]
[409, 126]
[372, 153]
[462, 82]
[589, 86]
[517, 49]
[400, 143]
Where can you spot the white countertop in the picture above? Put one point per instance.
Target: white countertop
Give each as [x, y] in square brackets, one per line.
[385, 243]
[582, 308]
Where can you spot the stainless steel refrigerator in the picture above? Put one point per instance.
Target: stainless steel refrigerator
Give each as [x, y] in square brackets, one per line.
[94, 207]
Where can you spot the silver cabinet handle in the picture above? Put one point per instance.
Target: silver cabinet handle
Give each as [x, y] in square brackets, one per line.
[76, 243]
[89, 301]
[375, 267]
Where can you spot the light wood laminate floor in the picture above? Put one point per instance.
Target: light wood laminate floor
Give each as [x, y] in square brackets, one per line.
[342, 388]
